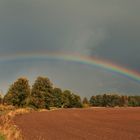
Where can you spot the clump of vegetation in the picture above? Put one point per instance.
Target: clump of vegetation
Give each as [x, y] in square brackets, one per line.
[71, 100]
[4, 108]
[2, 137]
[18, 93]
[85, 102]
[112, 100]
[10, 131]
[1, 99]
[133, 101]
[42, 95]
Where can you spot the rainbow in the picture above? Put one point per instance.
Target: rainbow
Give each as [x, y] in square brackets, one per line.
[101, 63]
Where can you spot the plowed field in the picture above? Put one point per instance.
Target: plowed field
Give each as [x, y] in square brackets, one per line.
[81, 124]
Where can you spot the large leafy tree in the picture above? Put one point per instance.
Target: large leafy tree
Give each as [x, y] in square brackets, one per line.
[111, 100]
[75, 101]
[41, 94]
[97, 100]
[92, 101]
[70, 100]
[18, 93]
[57, 97]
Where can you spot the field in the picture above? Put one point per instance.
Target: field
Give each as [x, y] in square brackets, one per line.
[81, 124]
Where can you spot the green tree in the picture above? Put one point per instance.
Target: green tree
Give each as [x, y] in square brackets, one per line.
[66, 97]
[70, 100]
[111, 100]
[134, 101]
[41, 94]
[123, 100]
[105, 100]
[97, 100]
[57, 97]
[138, 100]
[0, 99]
[75, 101]
[92, 101]
[18, 93]
[85, 101]
[114, 100]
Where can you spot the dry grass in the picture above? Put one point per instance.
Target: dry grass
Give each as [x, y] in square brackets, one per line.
[6, 108]
[86, 105]
[7, 127]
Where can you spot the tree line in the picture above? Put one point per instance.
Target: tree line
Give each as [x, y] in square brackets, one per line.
[112, 100]
[43, 94]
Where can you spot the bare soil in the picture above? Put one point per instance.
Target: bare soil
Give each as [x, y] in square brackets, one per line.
[81, 124]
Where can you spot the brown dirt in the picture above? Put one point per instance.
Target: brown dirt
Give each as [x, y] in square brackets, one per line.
[81, 124]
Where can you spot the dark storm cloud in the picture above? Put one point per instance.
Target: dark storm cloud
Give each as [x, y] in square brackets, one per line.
[123, 46]
[73, 26]
[108, 29]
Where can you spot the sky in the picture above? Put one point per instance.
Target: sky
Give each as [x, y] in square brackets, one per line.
[105, 29]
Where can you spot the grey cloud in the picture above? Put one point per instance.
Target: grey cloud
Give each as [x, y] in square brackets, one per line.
[64, 25]
[107, 29]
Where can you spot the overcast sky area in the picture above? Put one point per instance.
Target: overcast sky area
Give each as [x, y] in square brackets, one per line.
[107, 29]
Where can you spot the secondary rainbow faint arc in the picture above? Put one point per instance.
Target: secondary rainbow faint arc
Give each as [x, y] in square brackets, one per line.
[107, 65]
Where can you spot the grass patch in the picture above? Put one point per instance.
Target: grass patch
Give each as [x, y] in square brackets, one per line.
[2, 137]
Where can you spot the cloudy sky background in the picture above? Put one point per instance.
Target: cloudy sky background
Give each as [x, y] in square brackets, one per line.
[106, 29]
